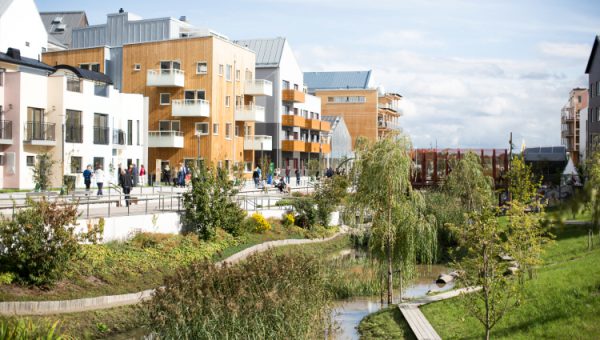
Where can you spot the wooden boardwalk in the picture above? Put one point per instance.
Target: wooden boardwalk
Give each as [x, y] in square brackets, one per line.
[418, 322]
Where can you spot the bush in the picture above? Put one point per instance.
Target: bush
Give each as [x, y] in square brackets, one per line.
[260, 223]
[39, 243]
[329, 194]
[306, 213]
[6, 278]
[27, 329]
[287, 220]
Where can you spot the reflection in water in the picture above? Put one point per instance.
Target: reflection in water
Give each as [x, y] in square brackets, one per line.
[347, 314]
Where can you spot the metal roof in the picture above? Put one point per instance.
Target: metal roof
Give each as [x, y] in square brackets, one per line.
[62, 27]
[13, 56]
[86, 74]
[550, 153]
[333, 120]
[268, 51]
[337, 80]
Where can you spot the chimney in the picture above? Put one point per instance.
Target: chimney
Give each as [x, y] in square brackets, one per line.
[121, 10]
[183, 18]
[14, 53]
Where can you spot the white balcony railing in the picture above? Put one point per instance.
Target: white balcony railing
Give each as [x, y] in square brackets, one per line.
[166, 78]
[165, 139]
[258, 87]
[258, 143]
[250, 113]
[190, 108]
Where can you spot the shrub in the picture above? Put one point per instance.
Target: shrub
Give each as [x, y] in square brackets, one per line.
[27, 329]
[6, 278]
[287, 220]
[38, 244]
[42, 171]
[306, 213]
[260, 223]
[330, 193]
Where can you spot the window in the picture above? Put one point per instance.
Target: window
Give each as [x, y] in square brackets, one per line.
[237, 131]
[597, 88]
[101, 128]
[248, 74]
[227, 101]
[90, 66]
[201, 67]
[76, 164]
[30, 161]
[165, 98]
[137, 67]
[248, 131]
[137, 132]
[215, 128]
[228, 73]
[73, 127]
[220, 69]
[129, 132]
[73, 83]
[27, 43]
[170, 65]
[194, 94]
[169, 125]
[579, 99]
[346, 99]
[1, 77]
[239, 101]
[99, 161]
[237, 75]
[201, 129]
[228, 130]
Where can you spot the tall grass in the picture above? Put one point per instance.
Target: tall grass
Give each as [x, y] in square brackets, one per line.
[267, 296]
[21, 329]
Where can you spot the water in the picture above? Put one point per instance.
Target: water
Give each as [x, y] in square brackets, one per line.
[348, 313]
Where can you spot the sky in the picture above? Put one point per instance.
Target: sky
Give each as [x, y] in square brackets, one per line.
[470, 71]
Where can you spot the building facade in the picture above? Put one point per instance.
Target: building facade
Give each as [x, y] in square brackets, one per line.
[367, 110]
[570, 122]
[292, 116]
[340, 140]
[21, 28]
[593, 117]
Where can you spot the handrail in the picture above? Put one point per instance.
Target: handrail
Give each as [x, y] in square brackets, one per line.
[162, 133]
[190, 102]
[165, 71]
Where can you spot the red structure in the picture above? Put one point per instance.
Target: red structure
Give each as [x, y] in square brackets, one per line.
[433, 165]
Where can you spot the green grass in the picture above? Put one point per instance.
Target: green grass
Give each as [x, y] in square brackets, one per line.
[562, 301]
[387, 323]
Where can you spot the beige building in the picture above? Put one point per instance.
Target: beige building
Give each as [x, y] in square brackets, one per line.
[570, 122]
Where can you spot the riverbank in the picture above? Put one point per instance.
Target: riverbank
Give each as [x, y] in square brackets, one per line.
[562, 299]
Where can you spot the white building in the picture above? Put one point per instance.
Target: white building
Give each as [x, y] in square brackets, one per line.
[21, 27]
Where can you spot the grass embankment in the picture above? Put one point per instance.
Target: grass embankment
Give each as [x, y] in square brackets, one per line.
[387, 323]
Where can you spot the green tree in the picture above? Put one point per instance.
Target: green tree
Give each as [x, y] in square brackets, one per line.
[593, 188]
[468, 184]
[313, 167]
[521, 183]
[400, 233]
[330, 193]
[42, 171]
[481, 250]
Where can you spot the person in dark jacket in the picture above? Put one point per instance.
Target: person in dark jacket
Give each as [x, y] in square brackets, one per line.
[297, 177]
[87, 177]
[127, 183]
[287, 174]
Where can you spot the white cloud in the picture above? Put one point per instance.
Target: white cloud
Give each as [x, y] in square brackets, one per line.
[565, 50]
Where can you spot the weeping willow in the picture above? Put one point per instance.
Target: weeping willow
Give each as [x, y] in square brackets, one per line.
[401, 233]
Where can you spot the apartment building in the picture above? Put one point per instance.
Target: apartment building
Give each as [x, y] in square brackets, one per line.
[570, 122]
[340, 140]
[593, 117]
[292, 116]
[367, 109]
[201, 87]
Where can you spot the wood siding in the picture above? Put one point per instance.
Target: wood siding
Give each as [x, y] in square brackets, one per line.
[76, 57]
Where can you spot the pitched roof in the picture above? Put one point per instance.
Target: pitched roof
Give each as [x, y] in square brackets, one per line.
[4, 4]
[62, 30]
[268, 51]
[337, 80]
[592, 55]
[86, 74]
[13, 56]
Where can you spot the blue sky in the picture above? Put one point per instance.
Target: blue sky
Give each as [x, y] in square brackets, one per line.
[470, 71]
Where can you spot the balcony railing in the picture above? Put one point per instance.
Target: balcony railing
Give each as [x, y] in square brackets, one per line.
[258, 143]
[165, 139]
[101, 134]
[40, 133]
[250, 113]
[258, 87]
[73, 134]
[290, 95]
[119, 137]
[190, 108]
[5, 131]
[165, 78]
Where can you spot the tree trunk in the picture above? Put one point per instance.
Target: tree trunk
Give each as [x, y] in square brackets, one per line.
[389, 262]
[487, 333]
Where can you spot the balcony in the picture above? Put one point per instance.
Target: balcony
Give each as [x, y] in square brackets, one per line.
[325, 126]
[250, 113]
[166, 78]
[313, 147]
[258, 87]
[6, 132]
[119, 138]
[73, 133]
[258, 143]
[313, 124]
[101, 135]
[37, 133]
[190, 108]
[290, 95]
[165, 139]
[292, 120]
[293, 145]
[326, 148]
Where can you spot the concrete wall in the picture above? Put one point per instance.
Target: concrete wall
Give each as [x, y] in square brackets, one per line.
[124, 227]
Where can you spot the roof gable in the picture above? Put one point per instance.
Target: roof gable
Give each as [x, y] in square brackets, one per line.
[268, 51]
[592, 55]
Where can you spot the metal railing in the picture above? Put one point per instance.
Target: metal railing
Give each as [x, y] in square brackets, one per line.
[5, 129]
[74, 133]
[165, 133]
[101, 135]
[40, 131]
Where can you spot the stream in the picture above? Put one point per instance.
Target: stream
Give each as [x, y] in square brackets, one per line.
[348, 313]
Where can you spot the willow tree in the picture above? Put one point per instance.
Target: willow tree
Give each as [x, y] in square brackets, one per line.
[468, 184]
[400, 233]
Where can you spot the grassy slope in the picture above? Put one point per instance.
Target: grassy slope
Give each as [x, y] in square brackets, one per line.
[563, 301]
[385, 324]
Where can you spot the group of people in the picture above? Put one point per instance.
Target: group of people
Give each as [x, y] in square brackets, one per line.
[127, 178]
[257, 177]
[182, 175]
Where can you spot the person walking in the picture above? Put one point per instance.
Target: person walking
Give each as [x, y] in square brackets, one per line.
[136, 175]
[167, 174]
[87, 177]
[120, 175]
[127, 183]
[142, 175]
[297, 177]
[287, 175]
[99, 175]
[181, 176]
[255, 177]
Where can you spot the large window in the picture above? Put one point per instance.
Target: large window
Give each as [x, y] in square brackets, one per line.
[90, 66]
[346, 99]
[169, 125]
[73, 83]
[228, 72]
[194, 94]
[101, 129]
[129, 132]
[170, 65]
[73, 127]
[76, 164]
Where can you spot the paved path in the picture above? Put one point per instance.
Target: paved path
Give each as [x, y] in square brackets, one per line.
[418, 322]
[111, 301]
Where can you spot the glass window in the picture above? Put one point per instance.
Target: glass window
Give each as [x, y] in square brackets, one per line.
[90, 66]
[202, 129]
[165, 98]
[30, 161]
[237, 131]
[228, 130]
[73, 127]
[165, 65]
[175, 125]
[201, 67]
[248, 74]
[201, 94]
[176, 65]
[129, 132]
[137, 67]
[227, 100]
[220, 69]
[168, 125]
[237, 75]
[215, 128]
[76, 164]
[228, 72]
[137, 132]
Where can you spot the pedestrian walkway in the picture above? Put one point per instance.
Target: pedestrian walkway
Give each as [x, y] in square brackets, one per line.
[418, 322]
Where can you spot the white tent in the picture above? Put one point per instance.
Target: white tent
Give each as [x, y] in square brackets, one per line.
[570, 174]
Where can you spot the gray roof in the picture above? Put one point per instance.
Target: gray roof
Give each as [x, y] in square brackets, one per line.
[550, 153]
[86, 74]
[333, 120]
[337, 80]
[268, 51]
[13, 56]
[70, 20]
